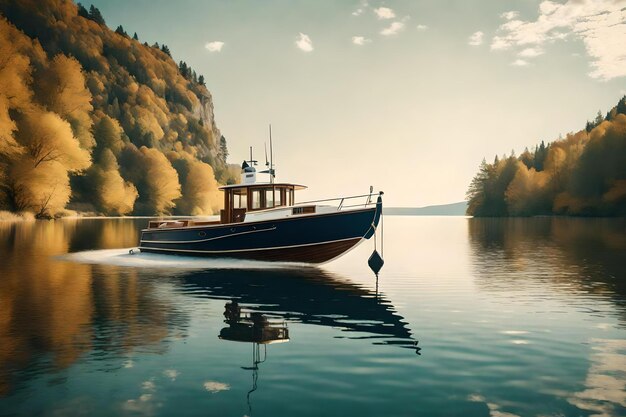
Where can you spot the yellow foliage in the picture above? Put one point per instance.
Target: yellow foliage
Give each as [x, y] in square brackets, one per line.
[200, 190]
[161, 180]
[115, 196]
[59, 105]
[524, 188]
[43, 189]
[49, 138]
[62, 89]
[8, 145]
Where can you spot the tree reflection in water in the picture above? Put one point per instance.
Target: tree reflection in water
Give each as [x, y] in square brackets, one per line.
[570, 255]
[52, 313]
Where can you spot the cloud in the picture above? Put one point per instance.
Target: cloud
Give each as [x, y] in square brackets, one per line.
[304, 42]
[392, 29]
[421, 27]
[519, 63]
[385, 13]
[510, 15]
[361, 9]
[531, 52]
[599, 24]
[498, 43]
[214, 386]
[476, 38]
[360, 40]
[215, 46]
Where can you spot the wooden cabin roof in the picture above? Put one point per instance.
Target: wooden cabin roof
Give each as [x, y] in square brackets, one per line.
[263, 185]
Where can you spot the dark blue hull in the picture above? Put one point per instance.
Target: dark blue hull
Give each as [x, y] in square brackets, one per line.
[308, 238]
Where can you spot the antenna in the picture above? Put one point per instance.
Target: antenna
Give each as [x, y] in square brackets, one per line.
[270, 164]
[271, 158]
[252, 161]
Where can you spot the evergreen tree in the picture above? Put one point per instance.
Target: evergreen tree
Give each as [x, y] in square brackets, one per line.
[201, 80]
[476, 194]
[82, 11]
[540, 156]
[166, 50]
[120, 30]
[621, 106]
[527, 158]
[184, 69]
[599, 118]
[96, 16]
[135, 37]
[223, 148]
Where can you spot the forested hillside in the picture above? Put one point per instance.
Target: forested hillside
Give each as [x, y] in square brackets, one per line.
[94, 120]
[583, 174]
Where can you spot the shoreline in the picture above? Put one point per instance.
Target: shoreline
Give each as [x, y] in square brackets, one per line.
[11, 217]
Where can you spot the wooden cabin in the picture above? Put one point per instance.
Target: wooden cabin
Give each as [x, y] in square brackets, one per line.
[242, 198]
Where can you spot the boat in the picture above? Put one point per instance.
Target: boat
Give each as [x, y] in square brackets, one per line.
[264, 221]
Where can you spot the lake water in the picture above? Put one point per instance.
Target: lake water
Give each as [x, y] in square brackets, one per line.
[503, 318]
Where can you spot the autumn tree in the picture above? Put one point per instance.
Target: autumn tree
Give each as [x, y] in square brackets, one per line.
[70, 88]
[583, 173]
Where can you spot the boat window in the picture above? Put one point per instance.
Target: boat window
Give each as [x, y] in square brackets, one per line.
[240, 198]
[269, 198]
[256, 199]
[237, 201]
[278, 195]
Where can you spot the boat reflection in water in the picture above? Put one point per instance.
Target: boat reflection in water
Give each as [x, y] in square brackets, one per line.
[308, 296]
[262, 302]
[255, 328]
[251, 327]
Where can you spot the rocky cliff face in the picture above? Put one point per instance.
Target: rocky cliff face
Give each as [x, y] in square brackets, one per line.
[204, 112]
[140, 128]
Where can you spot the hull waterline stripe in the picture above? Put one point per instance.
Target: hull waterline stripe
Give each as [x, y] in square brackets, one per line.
[206, 240]
[250, 250]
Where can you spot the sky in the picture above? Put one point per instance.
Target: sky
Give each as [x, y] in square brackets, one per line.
[407, 96]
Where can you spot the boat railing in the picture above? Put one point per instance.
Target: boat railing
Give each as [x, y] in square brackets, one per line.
[368, 201]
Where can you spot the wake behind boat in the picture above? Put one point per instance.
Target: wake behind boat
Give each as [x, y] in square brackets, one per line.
[262, 221]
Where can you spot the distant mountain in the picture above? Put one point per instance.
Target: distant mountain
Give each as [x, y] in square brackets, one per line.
[453, 209]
